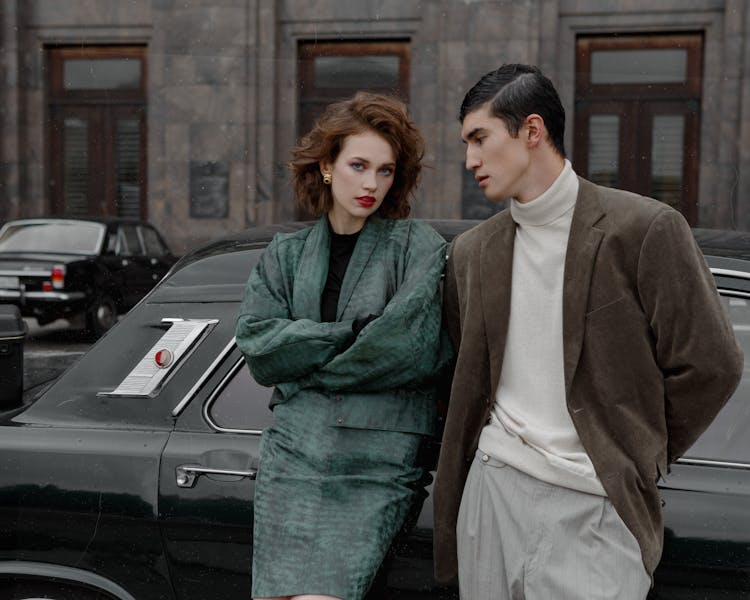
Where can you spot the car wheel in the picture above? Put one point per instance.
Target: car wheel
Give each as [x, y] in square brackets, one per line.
[101, 316]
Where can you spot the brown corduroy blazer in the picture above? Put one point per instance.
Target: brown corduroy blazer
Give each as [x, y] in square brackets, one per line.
[649, 353]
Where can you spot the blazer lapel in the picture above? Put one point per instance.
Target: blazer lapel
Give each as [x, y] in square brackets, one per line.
[583, 245]
[496, 269]
[312, 272]
[367, 243]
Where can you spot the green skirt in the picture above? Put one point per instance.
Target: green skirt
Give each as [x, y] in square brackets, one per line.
[328, 502]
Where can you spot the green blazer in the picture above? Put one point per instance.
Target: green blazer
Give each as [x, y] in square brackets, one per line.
[383, 378]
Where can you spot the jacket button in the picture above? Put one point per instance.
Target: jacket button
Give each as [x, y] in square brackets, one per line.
[340, 420]
[485, 458]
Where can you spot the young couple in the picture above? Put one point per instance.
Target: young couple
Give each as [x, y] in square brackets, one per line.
[589, 349]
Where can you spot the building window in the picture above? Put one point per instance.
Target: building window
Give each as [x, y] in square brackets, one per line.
[97, 138]
[637, 115]
[333, 71]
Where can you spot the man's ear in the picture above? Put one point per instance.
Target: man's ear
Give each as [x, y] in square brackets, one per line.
[534, 129]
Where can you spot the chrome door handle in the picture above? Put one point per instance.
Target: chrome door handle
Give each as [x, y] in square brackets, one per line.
[185, 475]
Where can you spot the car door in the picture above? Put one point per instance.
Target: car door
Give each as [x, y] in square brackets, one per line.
[136, 268]
[207, 482]
[128, 275]
[707, 497]
[159, 258]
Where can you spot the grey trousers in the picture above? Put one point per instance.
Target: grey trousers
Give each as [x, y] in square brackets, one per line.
[520, 538]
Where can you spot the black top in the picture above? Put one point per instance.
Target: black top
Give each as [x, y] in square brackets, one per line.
[342, 247]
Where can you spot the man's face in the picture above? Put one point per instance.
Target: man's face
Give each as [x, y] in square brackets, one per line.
[499, 161]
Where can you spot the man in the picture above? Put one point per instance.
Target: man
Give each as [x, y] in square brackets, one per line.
[592, 351]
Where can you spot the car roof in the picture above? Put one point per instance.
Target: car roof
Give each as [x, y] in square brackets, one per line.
[257, 237]
[721, 242]
[104, 220]
[714, 242]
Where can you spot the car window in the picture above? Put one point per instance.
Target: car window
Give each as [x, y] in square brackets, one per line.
[130, 243]
[70, 237]
[240, 403]
[154, 246]
[727, 438]
[210, 279]
[111, 245]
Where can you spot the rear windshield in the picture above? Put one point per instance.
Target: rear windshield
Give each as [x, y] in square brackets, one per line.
[54, 237]
[219, 278]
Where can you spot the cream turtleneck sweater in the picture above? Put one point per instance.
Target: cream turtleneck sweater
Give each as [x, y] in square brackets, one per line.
[530, 428]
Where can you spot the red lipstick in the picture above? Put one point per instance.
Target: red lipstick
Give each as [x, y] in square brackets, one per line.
[366, 201]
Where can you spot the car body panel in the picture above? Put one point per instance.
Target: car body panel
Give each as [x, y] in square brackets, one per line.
[706, 533]
[207, 527]
[85, 498]
[94, 482]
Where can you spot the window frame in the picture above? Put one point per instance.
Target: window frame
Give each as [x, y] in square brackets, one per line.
[237, 367]
[308, 51]
[149, 234]
[57, 55]
[691, 42]
[639, 103]
[311, 95]
[101, 109]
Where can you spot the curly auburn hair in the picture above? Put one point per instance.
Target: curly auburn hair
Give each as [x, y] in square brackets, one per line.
[365, 111]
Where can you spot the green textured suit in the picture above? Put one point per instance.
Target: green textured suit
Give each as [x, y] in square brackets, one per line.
[337, 471]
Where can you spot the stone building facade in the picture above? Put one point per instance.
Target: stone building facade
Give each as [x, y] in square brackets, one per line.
[220, 96]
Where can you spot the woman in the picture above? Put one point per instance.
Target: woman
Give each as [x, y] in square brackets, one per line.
[343, 319]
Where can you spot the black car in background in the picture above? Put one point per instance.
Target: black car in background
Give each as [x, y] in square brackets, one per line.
[132, 476]
[95, 268]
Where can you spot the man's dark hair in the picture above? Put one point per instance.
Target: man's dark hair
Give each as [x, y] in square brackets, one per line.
[514, 92]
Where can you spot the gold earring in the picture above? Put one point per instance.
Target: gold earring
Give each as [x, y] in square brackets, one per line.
[327, 178]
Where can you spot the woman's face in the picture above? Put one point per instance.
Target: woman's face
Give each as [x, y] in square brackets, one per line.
[362, 175]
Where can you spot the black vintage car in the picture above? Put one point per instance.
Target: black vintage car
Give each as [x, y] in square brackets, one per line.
[131, 477]
[71, 267]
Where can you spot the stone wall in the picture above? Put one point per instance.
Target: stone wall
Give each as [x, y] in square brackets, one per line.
[222, 89]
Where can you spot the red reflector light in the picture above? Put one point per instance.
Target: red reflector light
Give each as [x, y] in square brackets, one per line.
[58, 277]
[163, 358]
[47, 286]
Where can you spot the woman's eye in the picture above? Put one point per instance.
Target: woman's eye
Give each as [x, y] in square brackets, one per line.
[357, 166]
[388, 171]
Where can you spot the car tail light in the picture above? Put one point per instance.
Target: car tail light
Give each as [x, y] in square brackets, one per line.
[58, 277]
[163, 358]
